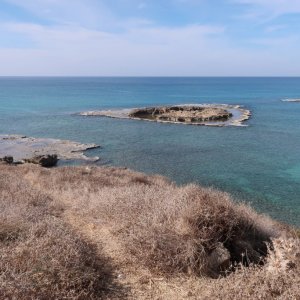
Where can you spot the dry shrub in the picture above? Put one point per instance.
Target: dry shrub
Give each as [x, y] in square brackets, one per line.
[50, 262]
[278, 279]
[177, 232]
[167, 228]
[40, 256]
[9, 232]
[189, 229]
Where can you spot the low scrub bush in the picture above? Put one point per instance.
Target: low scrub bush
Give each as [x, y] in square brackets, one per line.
[170, 229]
[184, 235]
[40, 256]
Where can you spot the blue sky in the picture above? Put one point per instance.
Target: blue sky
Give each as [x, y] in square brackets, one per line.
[150, 37]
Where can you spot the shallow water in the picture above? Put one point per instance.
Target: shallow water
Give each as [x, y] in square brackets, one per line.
[259, 163]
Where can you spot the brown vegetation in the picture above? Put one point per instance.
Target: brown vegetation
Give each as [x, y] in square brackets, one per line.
[88, 232]
[42, 257]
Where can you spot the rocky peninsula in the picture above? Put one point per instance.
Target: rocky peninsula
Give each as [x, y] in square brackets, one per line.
[194, 114]
[44, 151]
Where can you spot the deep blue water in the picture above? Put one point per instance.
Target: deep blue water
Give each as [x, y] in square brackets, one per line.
[259, 164]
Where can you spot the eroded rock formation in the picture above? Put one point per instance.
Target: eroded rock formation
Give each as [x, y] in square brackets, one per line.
[43, 151]
[184, 114]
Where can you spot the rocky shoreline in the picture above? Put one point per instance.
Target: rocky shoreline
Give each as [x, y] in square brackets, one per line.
[20, 149]
[189, 114]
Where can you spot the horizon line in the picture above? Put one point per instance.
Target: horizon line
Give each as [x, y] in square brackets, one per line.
[148, 76]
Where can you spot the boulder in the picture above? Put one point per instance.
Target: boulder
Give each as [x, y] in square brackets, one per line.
[219, 260]
[47, 161]
[7, 159]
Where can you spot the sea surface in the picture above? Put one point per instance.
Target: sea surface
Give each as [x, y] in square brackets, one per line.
[259, 164]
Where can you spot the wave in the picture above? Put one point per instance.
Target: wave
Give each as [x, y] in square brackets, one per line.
[291, 100]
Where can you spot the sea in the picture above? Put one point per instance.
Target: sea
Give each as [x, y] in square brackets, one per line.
[258, 164]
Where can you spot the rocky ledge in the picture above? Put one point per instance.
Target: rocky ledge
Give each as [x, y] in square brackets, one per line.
[196, 114]
[46, 152]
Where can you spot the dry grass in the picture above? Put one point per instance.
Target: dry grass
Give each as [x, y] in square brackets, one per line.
[278, 279]
[165, 241]
[41, 257]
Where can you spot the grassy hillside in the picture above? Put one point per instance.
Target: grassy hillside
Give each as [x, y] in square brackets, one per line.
[108, 233]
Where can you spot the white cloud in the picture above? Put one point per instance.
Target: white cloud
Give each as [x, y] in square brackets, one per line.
[275, 28]
[88, 40]
[278, 42]
[191, 50]
[88, 13]
[270, 8]
[45, 36]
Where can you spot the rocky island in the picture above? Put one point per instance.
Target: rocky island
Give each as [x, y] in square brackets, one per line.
[185, 114]
[196, 114]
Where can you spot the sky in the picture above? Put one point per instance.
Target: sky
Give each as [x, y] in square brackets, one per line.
[149, 37]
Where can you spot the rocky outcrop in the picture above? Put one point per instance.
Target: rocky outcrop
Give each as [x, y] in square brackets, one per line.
[46, 152]
[47, 161]
[182, 114]
[195, 114]
[7, 159]
[218, 261]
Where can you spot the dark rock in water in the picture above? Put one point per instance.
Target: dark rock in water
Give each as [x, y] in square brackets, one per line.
[7, 159]
[47, 161]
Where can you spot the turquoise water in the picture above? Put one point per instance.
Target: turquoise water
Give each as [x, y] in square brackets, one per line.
[259, 164]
